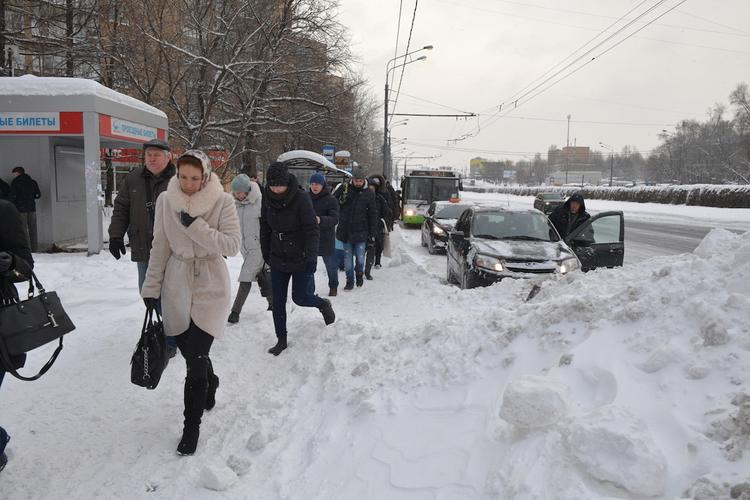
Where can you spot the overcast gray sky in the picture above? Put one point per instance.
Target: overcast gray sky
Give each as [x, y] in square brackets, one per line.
[488, 50]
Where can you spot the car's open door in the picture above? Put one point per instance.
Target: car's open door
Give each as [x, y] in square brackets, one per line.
[600, 241]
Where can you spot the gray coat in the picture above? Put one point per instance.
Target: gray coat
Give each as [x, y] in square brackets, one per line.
[131, 214]
[248, 211]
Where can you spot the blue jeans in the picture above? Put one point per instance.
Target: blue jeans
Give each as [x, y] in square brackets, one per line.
[340, 254]
[300, 295]
[331, 263]
[354, 250]
[142, 267]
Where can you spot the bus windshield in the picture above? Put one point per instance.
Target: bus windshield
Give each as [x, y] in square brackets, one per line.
[426, 189]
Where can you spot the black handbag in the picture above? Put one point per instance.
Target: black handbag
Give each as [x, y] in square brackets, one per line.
[150, 356]
[31, 323]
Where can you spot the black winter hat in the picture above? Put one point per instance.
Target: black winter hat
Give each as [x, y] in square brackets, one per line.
[156, 143]
[277, 174]
[375, 181]
[576, 197]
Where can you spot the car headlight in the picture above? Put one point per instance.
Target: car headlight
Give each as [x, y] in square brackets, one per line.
[487, 262]
[569, 265]
[438, 230]
[546, 203]
[409, 213]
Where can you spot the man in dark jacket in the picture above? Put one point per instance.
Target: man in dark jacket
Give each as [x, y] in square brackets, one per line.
[375, 250]
[289, 240]
[570, 215]
[15, 266]
[133, 211]
[358, 222]
[327, 215]
[24, 191]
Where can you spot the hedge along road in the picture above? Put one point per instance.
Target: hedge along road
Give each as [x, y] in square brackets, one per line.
[651, 230]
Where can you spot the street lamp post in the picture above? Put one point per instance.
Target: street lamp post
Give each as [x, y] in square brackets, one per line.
[611, 161]
[388, 69]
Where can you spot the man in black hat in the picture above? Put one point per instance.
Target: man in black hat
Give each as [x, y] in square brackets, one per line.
[570, 215]
[358, 224]
[134, 209]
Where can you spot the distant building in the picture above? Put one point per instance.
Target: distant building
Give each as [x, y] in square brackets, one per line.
[571, 157]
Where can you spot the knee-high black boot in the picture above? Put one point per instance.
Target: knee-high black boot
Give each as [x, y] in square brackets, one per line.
[213, 384]
[196, 389]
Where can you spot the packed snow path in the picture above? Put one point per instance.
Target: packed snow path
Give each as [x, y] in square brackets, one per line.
[619, 383]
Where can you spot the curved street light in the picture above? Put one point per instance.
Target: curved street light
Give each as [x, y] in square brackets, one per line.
[388, 69]
[611, 160]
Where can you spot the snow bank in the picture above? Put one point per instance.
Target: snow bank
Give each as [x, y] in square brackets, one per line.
[534, 401]
[400, 398]
[614, 445]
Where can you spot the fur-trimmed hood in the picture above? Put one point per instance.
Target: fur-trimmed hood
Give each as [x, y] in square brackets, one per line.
[253, 196]
[198, 204]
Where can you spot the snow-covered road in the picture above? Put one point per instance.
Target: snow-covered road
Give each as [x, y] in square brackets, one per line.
[617, 383]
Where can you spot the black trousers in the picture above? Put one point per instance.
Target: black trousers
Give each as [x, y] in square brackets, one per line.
[195, 345]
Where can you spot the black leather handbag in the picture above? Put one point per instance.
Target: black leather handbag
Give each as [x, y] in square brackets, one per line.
[31, 323]
[150, 356]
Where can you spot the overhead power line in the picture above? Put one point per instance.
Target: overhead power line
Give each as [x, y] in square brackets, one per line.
[398, 34]
[403, 68]
[553, 76]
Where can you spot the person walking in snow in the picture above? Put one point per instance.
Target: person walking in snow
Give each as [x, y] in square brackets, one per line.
[248, 203]
[24, 191]
[570, 215]
[195, 225]
[327, 215]
[16, 264]
[133, 211]
[375, 249]
[289, 237]
[357, 227]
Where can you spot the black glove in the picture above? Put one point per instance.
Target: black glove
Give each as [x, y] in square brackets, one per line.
[311, 266]
[186, 219]
[6, 262]
[150, 302]
[116, 247]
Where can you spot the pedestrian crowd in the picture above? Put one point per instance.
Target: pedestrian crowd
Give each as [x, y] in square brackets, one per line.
[181, 225]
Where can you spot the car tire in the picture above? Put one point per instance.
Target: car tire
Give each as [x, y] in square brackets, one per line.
[431, 246]
[448, 274]
[468, 280]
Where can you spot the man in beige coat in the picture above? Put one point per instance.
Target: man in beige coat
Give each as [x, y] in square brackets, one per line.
[195, 225]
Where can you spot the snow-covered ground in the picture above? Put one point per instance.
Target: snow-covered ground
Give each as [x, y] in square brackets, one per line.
[624, 383]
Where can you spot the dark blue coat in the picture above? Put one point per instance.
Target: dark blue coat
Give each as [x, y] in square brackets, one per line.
[358, 220]
[24, 191]
[289, 233]
[327, 208]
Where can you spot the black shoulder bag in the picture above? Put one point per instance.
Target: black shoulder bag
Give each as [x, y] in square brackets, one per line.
[31, 323]
[150, 356]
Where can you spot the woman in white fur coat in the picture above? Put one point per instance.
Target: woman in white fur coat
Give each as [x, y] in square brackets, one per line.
[195, 226]
[248, 200]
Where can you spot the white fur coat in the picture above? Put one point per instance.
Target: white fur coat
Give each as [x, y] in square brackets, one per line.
[249, 214]
[187, 268]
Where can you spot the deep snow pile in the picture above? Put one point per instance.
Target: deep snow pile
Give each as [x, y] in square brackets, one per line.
[624, 383]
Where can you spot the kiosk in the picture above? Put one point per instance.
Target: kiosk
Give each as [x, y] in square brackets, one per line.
[55, 129]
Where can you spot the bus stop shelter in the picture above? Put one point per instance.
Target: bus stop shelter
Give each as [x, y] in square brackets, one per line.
[55, 129]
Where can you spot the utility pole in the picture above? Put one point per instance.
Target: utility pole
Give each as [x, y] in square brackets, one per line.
[386, 145]
[567, 142]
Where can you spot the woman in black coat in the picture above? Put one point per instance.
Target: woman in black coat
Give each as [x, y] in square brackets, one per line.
[15, 266]
[289, 238]
[327, 215]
